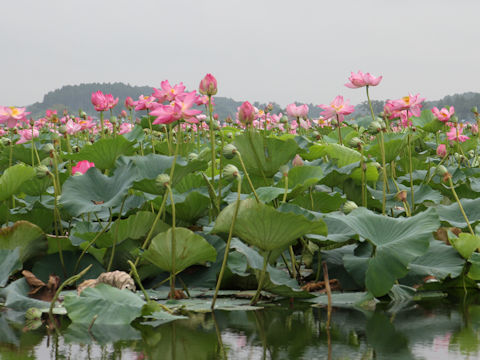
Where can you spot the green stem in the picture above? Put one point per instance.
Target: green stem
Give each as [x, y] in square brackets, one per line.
[227, 248]
[339, 131]
[411, 171]
[460, 205]
[370, 104]
[384, 167]
[212, 136]
[248, 177]
[102, 134]
[364, 170]
[137, 279]
[262, 279]
[294, 262]
[115, 237]
[286, 189]
[173, 245]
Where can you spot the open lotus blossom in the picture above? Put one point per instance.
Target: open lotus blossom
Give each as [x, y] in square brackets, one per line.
[125, 128]
[103, 102]
[295, 112]
[145, 103]
[72, 127]
[26, 135]
[176, 110]
[411, 103]
[11, 115]
[455, 133]
[338, 107]
[360, 80]
[443, 115]
[82, 167]
[167, 92]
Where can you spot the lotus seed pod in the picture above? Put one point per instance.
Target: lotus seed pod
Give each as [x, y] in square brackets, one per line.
[297, 161]
[284, 170]
[349, 206]
[230, 135]
[162, 180]
[48, 147]
[6, 141]
[229, 151]
[284, 119]
[192, 156]
[62, 129]
[334, 122]
[377, 165]
[454, 119]
[33, 314]
[113, 119]
[471, 154]
[230, 171]
[375, 127]
[83, 114]
[41, 171]
[474, 110]
[457, 157]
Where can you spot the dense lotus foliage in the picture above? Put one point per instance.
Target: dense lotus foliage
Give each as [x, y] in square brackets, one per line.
[384, 206]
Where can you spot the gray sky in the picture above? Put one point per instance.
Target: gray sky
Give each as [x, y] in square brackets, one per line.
[258, 50]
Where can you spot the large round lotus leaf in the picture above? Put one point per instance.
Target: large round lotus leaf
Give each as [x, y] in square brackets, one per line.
[93, 191]
[110, 305]
[190, 249]
[264, 154]
[342, 154]
[301, 178]
[104, 152]
[190, 206]
[265, 227]
[13, 178]
[452, 214]
[397, 242]
[9, 263]
[28, 237]
[393, 144]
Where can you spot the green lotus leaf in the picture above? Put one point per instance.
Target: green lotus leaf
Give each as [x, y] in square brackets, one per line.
[393, 144]
[36, 186]
[102, 334]
[397, 242]
[28, 237]
[13, 178]
[111, 306]
[104, 152]
[320, 201]
[262, 154]
[265, 227]
[301, 178]
[16, 297]
[190, 249]
[9, 263]
[474, 271]
[341, 154]
[190, 206]
[453, 215]
[465, 243]
[94, 192]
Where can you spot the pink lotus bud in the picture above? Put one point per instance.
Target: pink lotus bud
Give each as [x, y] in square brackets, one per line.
[215, 116]
[474, 129]
[82, 167]
[442, 150]
[246, 113]
[208, 85]
[297, 161]
[129, 103]
[123, 114]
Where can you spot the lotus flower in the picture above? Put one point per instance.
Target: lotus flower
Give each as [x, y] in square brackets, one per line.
[443, 115]
[12, 115]
[337, 107]
[82, 167]
[360, 80]
[208, 85]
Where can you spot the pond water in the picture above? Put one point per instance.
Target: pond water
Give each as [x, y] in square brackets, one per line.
[427, 330]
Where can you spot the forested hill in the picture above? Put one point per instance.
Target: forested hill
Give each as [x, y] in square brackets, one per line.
[75, 97]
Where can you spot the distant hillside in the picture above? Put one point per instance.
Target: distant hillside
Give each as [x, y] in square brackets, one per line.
[75, 97]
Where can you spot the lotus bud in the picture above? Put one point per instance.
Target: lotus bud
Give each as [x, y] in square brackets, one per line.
[284, 170]
[229, 151]
[41, 171]
[32, 122]
[454, 119]
[230, 171]
[297, 161]
[441, 170]
[474, 110]
[401, 196]
[33, 314]
[349, 206]
[246, 113]
[228, 120]
[208, 85]
[113, 119]
[162, 180]
[356, 142]
[269, 107]
[457, 157]
[192, 156]
[375, 127]
[442, 150]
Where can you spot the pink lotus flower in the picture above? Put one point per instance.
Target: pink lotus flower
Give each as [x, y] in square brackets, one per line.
[208, 85]
[82, 167]
[360, 80]
[337, 107]
[442, 150]
[125, 128]
[26, 135]
[443, 115]
[294, 111]
[103, 102]
[10, 115]
[411, 103]
[129, 103]
[455, 133]
[177, 110]
[144, 103]
[167, 92]
[246, 113]
[72, 127]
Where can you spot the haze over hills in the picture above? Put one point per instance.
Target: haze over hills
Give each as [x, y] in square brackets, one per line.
[75, 97]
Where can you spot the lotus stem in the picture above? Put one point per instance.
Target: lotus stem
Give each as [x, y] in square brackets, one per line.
[173, 245]
[364, 170]
[339, 131]
[102, 134]
[248, 177]
[262, 279]
[229, 240]
[284, 200]
[460, 205]
[212, 136]
[67, 282]
[384, 170]
[115, 237]
[329, 293]
[411, 171]
[93, 241]
[219, 197]
[137, 279]
[370, 104]
[294, 262]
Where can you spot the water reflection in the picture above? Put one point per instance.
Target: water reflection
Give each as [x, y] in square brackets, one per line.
[416, 331]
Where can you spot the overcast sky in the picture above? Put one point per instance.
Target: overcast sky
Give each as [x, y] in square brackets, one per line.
[281, 51]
